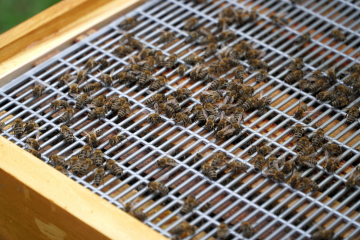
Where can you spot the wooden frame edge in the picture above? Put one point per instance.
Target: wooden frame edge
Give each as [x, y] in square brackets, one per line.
[55, 204]
[61, 37]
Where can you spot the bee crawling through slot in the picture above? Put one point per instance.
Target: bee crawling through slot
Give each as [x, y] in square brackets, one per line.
[130, 207]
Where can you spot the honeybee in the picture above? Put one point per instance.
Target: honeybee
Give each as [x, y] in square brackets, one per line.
[262, 75]
[114, 140]
[93, 87]
[253, 149]
[62, 170]
[331, 148]
[182, 69]
[129, 208]
[353, 178]
[250, 103]
[264, 150]
[208, 39]
[158, 83]
[39, 89]
[337, 35]
[128, 23]
[2, 125]
[318, 85]
[288, 167]
[295, 179]
[296, 64]
[189, 204]
[82, 101]
[236, 166]
[90, 64]
[340, 102]
[239, 73]
[81, 75]
[193, 36]
[124, 110]
[342, 89]
[166, 37]
[254, 54]
[322, 234]
[210, 122]
[304, 85]
[307, 151]
[166, 161]
[308, 183]
[75, 164]
[123, 50]
[191, 24]
[331, 164]
[157, 98]
[223, 122]
[99, 175]
[197, 157]
[114, 168]
[194, 59]
[246, 229]
[58, 160]
[222, 231]
[239, 18]
[299, 113]
[85, 151]
[331, 73]
[182, 93]
[182, 118]
[294, 76]
[34, 152]
[256, 64]
[67, 133]
[259, 160]
[274, 163]
[97, 112]
[67, 115]
[171, 60]
[33, 143]
[352, 79]
[326, 96]
[18, 126]
[298, 131]
[218, 159]
[235, 124]
[103, 63]
[352, 114]
[98, 157]
[226, 35]
[304, 38]
[182, 228]
[158, 186]
[99, 101]
[280, 21]
[154, 118]
[91, 138]
[66, 78]
[209, 171]
[275, 175]
[85, 166]
[30, 126]
[107, 78]
[74, 90]
[211, 49]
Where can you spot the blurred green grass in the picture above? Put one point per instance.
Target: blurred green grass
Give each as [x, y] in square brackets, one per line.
[14, 12]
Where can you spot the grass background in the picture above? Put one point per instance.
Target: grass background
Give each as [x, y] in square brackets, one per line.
[14, 12]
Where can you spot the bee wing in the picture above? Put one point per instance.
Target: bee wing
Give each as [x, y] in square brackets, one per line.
[205, 31]
[354, 174]
[296, 173]
[205, 114]
[173, 100]
[74, 95]
[112, 72]
[156, 106]
[163, 178]
[91, 106]
[38, 133]
[186, 110]
[28, 146]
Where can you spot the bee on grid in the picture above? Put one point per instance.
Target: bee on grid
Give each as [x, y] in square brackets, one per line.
[67, 133]
[55, 105]
[158, 186]
[128, 23]
[279, 20]
[166, 37]
[131, 209]
[39, 88]
[246, 229]
[303, 38]
[90, 64]
[66, 78]
[338, 35]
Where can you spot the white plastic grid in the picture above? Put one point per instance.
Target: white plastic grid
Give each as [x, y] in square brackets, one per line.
[280, 50]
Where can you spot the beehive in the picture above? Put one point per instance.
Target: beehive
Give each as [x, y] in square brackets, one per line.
[275, 210]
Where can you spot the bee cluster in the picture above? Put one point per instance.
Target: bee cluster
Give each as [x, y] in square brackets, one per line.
[214, 77]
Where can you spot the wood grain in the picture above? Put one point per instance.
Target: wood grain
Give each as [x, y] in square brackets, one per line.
[54, 29]
[35, 205]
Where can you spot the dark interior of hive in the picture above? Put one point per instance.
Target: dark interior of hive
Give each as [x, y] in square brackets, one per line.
[235, 197]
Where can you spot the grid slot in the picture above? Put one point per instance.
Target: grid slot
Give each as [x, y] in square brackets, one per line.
[274, 210]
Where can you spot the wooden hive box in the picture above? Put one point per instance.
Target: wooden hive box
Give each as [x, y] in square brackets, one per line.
[37, 202]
